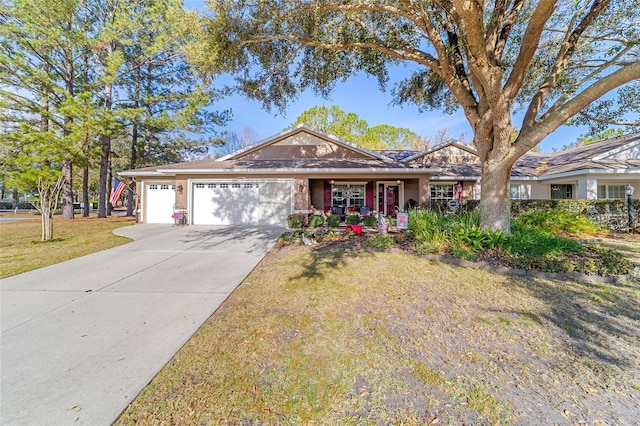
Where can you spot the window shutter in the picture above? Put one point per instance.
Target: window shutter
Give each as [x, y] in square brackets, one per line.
[327, 195]
[369, 195]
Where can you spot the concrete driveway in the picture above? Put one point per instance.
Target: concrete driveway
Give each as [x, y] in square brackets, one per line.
[80, 339]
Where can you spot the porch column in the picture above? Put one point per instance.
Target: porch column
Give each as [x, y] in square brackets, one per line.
[423, 189]
[587, 188]
[301, 199]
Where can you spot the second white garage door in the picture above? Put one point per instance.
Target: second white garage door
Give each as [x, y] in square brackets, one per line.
[264, 202]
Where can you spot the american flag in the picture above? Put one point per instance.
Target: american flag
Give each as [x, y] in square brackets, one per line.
[116, 191]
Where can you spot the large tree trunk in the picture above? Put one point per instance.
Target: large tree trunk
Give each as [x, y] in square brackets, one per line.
[67, 163]
[495, 204]
[104, 176]
[85, 192]
[105, 142]
[493, 142]
[130, 198]
[67, 189]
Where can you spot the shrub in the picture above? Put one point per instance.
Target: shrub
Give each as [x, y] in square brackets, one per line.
[291, 237]
[558, 221]
[316, 221]
[533, 242]
[381, 241]
[463, 253]
[296, 220]
[426, 247]
[333, 221]
[352, 219]
[369, 221]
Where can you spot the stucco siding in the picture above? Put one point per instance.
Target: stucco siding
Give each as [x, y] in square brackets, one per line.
[302, 145]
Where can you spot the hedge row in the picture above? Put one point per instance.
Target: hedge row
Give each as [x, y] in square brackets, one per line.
[519, 207]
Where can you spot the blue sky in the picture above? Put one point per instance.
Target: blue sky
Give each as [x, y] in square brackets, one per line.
[362, 95]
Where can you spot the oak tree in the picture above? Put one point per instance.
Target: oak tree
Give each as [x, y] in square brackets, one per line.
[544, 59]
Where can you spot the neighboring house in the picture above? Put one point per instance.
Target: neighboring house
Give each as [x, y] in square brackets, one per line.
[303, 168]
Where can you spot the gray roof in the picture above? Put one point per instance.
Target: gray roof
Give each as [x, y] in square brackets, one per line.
[593, 157]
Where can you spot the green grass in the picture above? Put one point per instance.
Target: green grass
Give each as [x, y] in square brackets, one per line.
[21, 249]
[332, 336]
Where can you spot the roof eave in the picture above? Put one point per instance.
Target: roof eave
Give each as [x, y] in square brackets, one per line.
[589, 172]
[313, 171]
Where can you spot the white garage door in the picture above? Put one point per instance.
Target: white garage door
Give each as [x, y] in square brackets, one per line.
[160, 198]
[241, 203]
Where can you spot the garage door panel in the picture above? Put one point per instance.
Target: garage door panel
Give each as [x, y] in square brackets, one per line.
[275, 203]
[160, 198]
[225, 204]
[245, 203]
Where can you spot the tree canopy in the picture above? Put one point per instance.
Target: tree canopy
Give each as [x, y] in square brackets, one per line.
[352, 128]
[106, 82]
[547, 60]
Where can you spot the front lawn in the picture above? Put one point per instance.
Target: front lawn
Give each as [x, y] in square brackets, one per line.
[21, 249]
[331, 336]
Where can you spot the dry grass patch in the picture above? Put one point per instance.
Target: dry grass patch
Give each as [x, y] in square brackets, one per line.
[355, 337]
[21, 249]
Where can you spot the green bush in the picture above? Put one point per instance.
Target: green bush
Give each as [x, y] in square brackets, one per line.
[558, 221]
[333, 221]
[526, 241]
[352, 219]
[463, 253]
[425, 247]
[369, 221]
[296, 220]
[381, 241]
[316, 221]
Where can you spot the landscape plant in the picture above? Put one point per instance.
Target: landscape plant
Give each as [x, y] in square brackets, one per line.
[296, 220]
[535, 243]
[370, 221]
[316, 221]
[333, 221]
[352, 219]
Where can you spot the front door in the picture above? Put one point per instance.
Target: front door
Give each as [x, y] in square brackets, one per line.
[389, 198]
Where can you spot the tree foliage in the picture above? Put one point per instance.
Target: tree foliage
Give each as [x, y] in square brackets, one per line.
[546, 59]
[96, 72]
[352, 128]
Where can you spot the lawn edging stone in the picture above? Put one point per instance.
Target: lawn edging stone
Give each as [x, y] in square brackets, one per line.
[533, 273]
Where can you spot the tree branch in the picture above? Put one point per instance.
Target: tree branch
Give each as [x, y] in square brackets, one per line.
[550, 121]
[527, 50]
[562, 60]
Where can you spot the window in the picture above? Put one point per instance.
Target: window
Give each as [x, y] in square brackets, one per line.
[442, 191]
[514, 192]
[561, 192]
[611, 192]
[347, 195]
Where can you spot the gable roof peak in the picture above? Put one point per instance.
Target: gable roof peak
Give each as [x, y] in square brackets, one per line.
[310, 130]
[440, 147]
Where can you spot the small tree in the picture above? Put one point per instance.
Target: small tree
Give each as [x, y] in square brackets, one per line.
[34, 164]
[47, 202]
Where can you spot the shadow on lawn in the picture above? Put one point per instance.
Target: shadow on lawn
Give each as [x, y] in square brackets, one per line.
[601, 320]
[330, 258]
